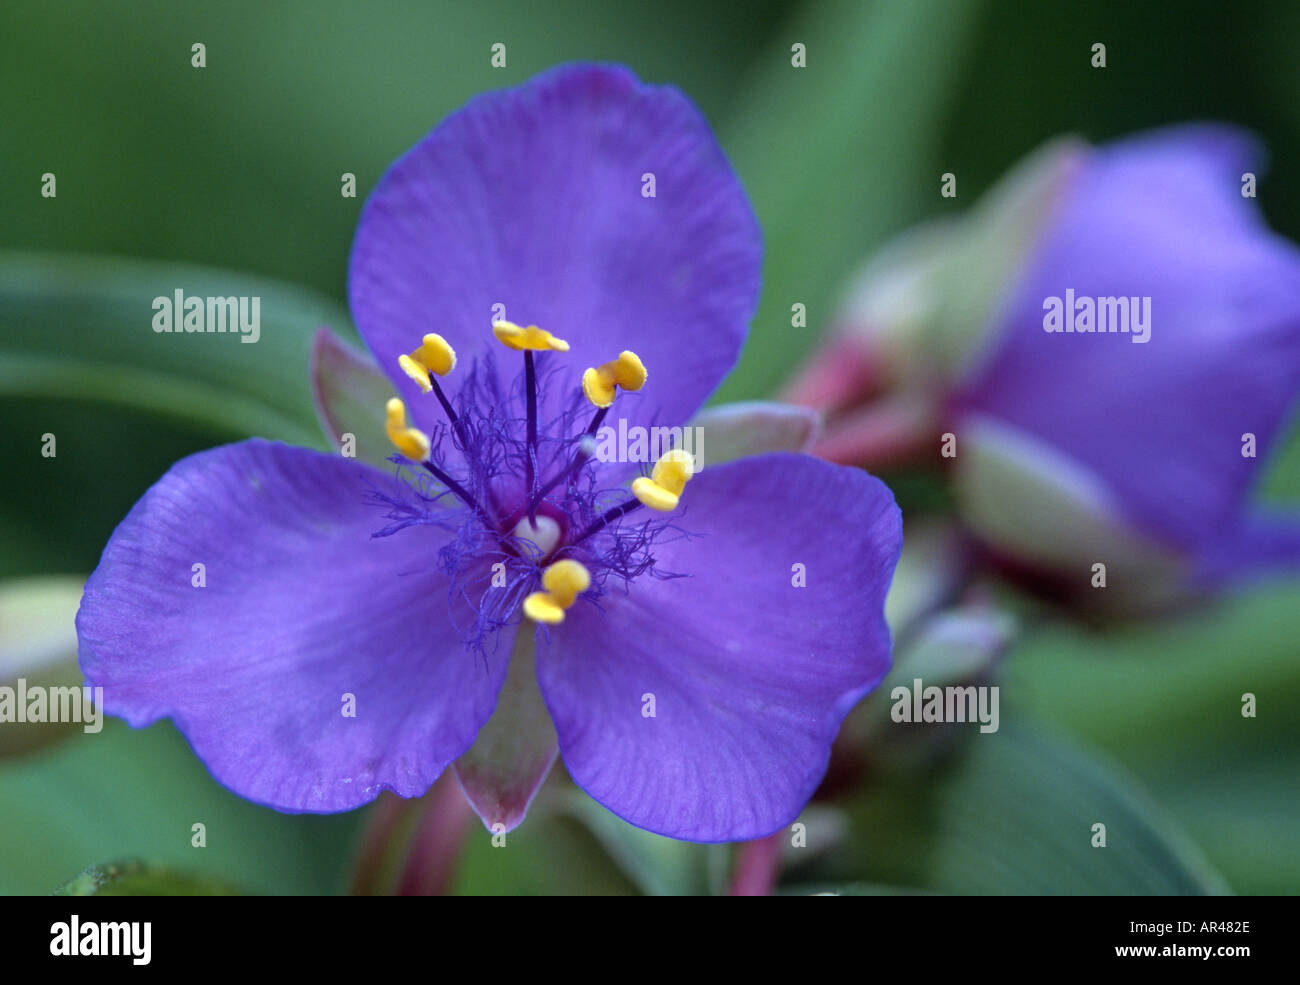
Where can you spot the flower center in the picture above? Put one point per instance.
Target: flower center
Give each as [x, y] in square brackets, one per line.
[539, 518]
[537, 536]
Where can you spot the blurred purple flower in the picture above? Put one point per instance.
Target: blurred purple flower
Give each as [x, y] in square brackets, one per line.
[1074, 448]
[1163, 424]
[326, 578]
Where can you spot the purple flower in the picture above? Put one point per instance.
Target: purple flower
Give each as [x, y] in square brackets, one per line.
[1163, 429]
[1136, 437]
[697, 640]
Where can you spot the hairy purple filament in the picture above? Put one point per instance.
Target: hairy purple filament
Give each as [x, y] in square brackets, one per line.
[608, 517]
[446, 406]
[500, 488]
[457, 490]
[579, 460]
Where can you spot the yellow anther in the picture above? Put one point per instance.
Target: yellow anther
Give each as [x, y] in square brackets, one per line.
[411, 442]
[599, 382]
[663, 488]
[513, 337]
[433, 356]
[562, 582]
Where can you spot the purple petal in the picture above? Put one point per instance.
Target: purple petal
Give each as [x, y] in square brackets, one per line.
[302, 607]
[1261, 543]
[531, 198]
[1162, 422]
[750, 675]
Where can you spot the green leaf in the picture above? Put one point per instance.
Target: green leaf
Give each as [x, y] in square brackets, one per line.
[849, 889]
[140, 879]
[659, 866]
[958, 647]
[1165, 699]
[1014, 815]
[1150, 693]
[79, 326]
[551, 854]
[839, 154]
[259, 188]
[124, 794]
[36, 624]
[1241, 803]
[38, 646]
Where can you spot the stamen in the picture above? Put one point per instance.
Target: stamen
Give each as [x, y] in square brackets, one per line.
[606, 518]
[459, 491]
[541, 535]
[562, 583]
[586, 448]
[529, 340]
[663, 488]
[600, 383]
[541, 530]
[456, 425]
[597, 419]
[435, 356]
[530, 386]
[411, 442]
[415, 445]
[513, 337]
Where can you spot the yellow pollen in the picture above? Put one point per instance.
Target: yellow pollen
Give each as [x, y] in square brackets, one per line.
[562, 582]
[411, 442]
[600, 382]
[433, 356]
[663, 488]
[513, 337]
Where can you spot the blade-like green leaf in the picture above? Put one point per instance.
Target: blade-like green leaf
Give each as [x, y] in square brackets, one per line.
[550, 854]
[1201, 709]
[140, 879]
[129, 794]
[82, 327]
[1015, 815]
[658, 866]
[849, 889]
[838, 154]
[38, 650]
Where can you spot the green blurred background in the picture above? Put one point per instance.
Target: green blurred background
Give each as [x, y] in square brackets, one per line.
[237, 166]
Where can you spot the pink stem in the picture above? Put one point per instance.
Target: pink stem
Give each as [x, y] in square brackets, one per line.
[758, 864]
[839, 375]
[435, 850]
[382, 827]
[888, 432]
